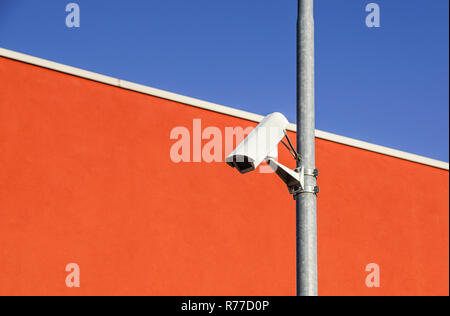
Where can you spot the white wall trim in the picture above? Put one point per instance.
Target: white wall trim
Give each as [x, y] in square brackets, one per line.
[214, 107]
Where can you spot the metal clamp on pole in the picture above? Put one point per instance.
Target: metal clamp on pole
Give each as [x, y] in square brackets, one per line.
[311, 189]
[307, 189]
[312, 172]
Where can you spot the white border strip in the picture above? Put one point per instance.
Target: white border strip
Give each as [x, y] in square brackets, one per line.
[214, 107]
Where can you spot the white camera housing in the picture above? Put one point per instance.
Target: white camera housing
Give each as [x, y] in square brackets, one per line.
[260, 144]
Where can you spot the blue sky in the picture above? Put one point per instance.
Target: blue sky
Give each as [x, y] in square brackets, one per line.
[386, 85]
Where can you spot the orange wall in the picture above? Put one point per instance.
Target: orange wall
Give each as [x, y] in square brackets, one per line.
[86, 177]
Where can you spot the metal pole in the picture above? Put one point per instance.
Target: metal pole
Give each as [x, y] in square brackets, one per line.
[307, 200]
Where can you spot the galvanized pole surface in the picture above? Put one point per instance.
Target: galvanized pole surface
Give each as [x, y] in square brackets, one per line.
[307, 200]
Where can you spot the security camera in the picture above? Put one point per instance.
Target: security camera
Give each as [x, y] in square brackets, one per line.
[262, 145]
[259, 144]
